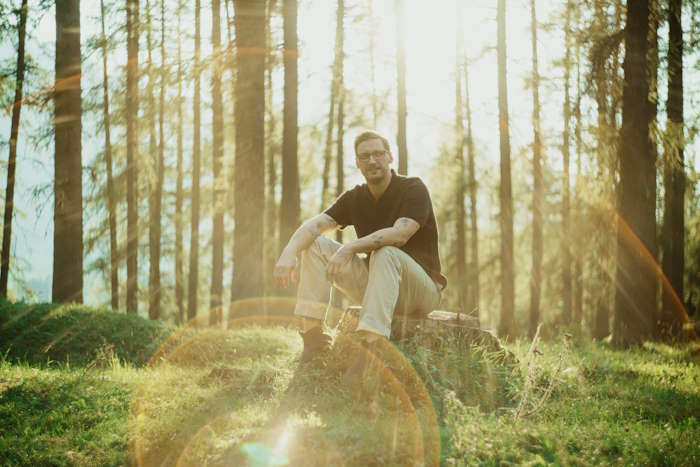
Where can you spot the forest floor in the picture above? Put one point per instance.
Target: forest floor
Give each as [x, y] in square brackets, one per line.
[91, 387]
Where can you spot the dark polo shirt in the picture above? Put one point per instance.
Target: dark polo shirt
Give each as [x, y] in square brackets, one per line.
[404, 197]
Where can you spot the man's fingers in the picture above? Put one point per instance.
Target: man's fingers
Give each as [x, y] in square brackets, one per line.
[282, 277]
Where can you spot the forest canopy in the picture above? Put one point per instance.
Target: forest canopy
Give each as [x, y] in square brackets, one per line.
[158, 154]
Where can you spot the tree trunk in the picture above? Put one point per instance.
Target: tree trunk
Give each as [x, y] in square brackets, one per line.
[249, 194]
[179, 272]
[339, 160]
[460, 231]
[193, 282]
[153, 212]
[635, 298]
[506, 326]
[673, 315]
[566, 188]
[327, 153]
[132, 188]
[474, 233]
[68, 186]
[601, 320]
[653, 74]
[401, 87]
[232, 172]
[653, 104]
[578, 263]
[536, 279]
[372, 67]
[271, 211]
[160, 169]
[111, 201]
[289, 205]
[217, 241]
[12, 161]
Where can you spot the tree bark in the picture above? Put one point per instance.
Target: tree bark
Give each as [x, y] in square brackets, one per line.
[289, 205]
[506, 326]
[217, 241]
[153, 211]
[401, 87]
[635, 298]
[193, 282]
[249, 194]
[474, 228]
[132, 190]
[653, 104]
[68, 187]
[460, 230]
[673, 315]
[578, 263]
[601, 320]
[179, 244]
[372, 67]
[339, 153]
[160, 169]
[538, 194]
[111, 197]
[566, 188]
[271, 148]
[327, 153]
[12, 160]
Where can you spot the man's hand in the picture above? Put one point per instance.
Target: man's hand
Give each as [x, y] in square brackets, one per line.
[338, 261]
[301, 239]
[285, 270]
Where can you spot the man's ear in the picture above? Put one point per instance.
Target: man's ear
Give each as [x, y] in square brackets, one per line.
[357, 164]
[391, 157]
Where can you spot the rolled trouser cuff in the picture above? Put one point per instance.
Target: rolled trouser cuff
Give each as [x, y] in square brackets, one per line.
[310, 309]
[369, 327]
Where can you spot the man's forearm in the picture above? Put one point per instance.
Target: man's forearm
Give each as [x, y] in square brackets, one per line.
[305, 235]
[390, 236]
[301, 239]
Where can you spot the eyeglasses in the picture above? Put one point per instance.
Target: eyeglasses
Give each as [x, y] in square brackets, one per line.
[376, 155]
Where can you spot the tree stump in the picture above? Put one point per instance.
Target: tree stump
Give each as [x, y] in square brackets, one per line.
[438, 329]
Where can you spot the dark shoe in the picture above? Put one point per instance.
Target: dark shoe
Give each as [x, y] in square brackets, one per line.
[315, 342]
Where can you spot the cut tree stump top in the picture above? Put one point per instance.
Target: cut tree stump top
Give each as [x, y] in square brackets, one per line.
[438, 328]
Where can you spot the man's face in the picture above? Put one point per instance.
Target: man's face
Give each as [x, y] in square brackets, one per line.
[373, 160]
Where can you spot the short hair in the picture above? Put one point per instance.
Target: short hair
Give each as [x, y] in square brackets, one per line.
[371, 134]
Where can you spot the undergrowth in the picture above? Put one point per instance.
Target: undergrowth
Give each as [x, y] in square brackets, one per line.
[240, 397]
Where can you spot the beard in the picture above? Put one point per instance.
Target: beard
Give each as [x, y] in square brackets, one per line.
[375, 174]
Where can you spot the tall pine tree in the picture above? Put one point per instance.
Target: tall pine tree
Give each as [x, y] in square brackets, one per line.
[67, 283]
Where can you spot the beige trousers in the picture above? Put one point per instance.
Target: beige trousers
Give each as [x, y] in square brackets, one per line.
[394, 283]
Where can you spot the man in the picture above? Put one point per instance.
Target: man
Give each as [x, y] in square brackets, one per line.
[395, 224]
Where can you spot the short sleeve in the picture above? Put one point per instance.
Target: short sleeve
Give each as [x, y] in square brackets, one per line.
[341, 209]
[415, 203]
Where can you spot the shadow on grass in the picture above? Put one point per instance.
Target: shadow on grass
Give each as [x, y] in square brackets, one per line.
[65, 416]
[651, 398]
[258, 414]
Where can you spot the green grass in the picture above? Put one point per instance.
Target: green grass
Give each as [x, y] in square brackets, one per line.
[42, 333]
[239, 397]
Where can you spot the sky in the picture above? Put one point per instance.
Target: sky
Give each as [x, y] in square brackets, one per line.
[430, 50]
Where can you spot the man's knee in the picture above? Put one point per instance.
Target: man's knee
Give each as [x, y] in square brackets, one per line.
[385, 254]
[321, 247]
